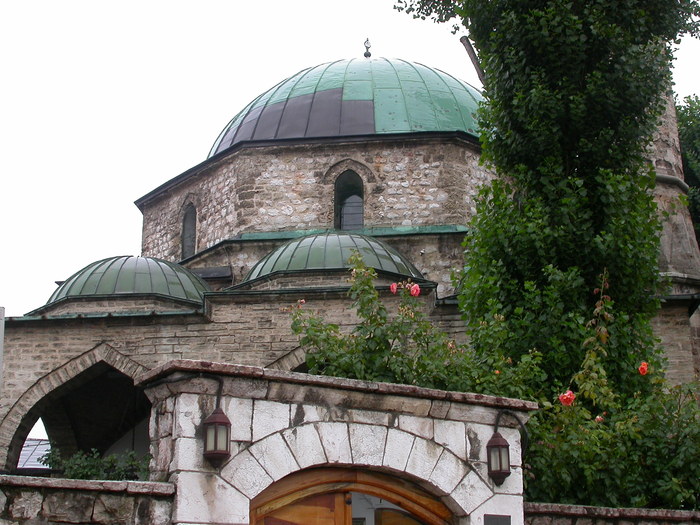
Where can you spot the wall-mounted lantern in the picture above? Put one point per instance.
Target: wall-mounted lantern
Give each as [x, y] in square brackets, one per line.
[217, 433]
[498, 451]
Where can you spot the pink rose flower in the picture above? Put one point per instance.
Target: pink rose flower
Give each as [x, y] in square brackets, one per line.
[393, 287]
[415, 290]
[599, 419]
[643, 368]
[567, 398]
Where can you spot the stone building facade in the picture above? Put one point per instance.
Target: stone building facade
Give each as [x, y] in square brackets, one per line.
[377, 155]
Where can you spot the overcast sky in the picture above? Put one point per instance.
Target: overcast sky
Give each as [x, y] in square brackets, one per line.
[101, 102]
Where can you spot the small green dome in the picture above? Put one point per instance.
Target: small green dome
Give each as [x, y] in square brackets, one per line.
[132, 275]
[356, 97]
[331, 251]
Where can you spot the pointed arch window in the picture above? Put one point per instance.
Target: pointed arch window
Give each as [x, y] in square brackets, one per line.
[349, 201]
[189, 231]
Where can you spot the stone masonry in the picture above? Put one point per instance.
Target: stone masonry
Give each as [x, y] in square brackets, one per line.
[285, 422]
[34, 501]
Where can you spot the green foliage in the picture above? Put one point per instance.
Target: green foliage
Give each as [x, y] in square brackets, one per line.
[405, 347]
[642, 456]
[688, 113]
[91, 465]
[574, 90]
[609, 449]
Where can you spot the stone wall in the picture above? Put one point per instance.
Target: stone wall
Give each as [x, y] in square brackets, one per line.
[34, 501]
[254, 329]
[673, 327]
[435, 255]
[284, 423]
[411, 182]
[553, 514]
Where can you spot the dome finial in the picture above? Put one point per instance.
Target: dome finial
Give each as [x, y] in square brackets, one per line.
[367, 46]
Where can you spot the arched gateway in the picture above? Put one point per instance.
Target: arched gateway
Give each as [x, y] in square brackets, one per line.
[316, 450]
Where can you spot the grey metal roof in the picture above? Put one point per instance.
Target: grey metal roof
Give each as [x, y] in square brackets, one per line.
[325, 251]
[132, 275]
[356, 97]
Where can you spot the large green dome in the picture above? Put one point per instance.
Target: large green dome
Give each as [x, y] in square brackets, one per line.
[331, 251]
[356, 97]
[132, 275]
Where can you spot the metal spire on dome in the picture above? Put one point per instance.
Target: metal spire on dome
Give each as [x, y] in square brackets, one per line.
[367, 46]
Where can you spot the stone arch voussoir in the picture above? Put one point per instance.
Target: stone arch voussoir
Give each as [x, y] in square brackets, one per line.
[374, 447]
[18, 421]
[365, 173]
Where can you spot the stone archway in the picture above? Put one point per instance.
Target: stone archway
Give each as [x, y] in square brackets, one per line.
[47, 394]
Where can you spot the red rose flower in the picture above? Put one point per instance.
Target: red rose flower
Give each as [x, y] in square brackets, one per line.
[643, 368]
[415, 290]
[567, 398]
[393, 287]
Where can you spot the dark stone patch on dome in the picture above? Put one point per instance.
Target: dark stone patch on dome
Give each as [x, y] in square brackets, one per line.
[325, 113]
[356, 97]
[357, 117]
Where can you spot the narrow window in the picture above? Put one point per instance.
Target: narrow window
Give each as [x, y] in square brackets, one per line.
[189, 231]
[349, 201]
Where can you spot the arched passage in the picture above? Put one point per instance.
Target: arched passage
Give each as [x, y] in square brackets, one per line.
[89, 402]
[326, 496]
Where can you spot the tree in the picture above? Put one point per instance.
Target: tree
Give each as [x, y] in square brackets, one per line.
[688, 113]
[573, 94]
[564, 244]
[560, 268]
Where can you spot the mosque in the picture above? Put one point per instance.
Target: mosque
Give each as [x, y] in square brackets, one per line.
[138, 353]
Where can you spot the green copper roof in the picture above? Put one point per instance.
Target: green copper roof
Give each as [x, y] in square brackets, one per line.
[356, 97]
[132, 275]
[330, 251]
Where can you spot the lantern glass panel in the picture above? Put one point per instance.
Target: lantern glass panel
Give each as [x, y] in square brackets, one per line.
[494, 459]
[210, 442]
[505, 459]
[221, 437]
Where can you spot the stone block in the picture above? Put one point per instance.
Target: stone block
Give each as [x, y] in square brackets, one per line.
[188, 454]
[451, 435]
[305, 444]
[471, 492]
[423, 458]
[367, 443]
[113, 509]
[420, 426]
[240, 412]
[397, 449]
[27, 504]
[206, 498]
[269, 417]
[150, 511]
[274, 456]
[70, 507]
[336, 442]
[188, 415]
[246, 474]
[448, 472]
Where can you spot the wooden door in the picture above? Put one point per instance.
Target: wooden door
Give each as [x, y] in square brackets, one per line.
[394, 517]
[322, 509]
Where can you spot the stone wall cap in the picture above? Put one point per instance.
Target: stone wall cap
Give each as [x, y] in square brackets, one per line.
[153, 488]
[207, 367]
[665, 515]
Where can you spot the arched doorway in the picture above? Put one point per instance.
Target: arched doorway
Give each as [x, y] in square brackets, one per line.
[99, 408]
[340, 496]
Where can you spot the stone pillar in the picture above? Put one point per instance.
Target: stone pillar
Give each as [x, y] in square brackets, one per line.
[679, 259]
